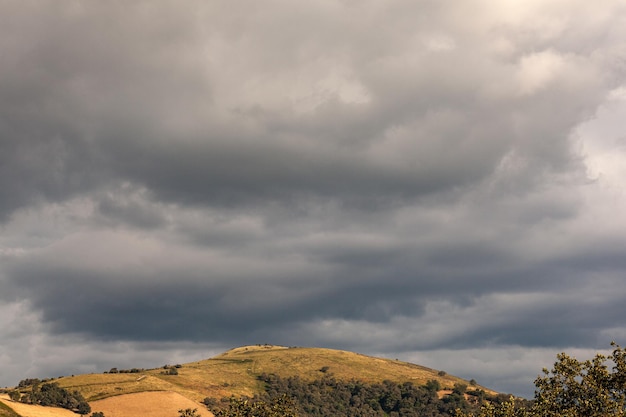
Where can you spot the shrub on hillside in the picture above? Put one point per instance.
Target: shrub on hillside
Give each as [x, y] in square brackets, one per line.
[210, 402]
[15, 395]
[170, 371]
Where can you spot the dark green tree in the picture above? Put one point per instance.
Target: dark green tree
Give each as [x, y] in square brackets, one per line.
[433, 385]
[15, 395]
[83, 408]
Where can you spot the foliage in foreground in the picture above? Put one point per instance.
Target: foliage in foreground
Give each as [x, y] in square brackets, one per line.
[591, 388]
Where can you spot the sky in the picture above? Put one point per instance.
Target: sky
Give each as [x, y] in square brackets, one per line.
[436, 181]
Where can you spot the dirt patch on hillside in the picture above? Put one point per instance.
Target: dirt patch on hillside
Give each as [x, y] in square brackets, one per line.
[153, 404]
[28, 410]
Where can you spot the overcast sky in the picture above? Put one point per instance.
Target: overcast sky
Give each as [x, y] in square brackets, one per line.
[436, 181]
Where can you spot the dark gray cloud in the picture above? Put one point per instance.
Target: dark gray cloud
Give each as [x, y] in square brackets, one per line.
[428, 180]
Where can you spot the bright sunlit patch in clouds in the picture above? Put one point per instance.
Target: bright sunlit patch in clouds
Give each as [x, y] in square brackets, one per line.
[308, 94]
[537, 70]
[438, 42]
[603, 141]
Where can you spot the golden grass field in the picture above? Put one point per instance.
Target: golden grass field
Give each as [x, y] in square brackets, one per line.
[233, 373]
[141, 404]
[6, 411]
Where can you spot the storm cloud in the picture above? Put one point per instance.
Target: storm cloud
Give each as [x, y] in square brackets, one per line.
[431, 181]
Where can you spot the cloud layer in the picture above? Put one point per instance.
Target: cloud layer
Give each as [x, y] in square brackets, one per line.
[412, 179]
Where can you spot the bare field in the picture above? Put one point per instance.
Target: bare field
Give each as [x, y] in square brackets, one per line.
[28, 410]
[153, 404]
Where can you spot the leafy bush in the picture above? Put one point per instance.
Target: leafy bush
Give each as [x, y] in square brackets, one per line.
[210, 402]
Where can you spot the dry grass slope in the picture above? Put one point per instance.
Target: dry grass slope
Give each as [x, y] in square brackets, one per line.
[235, 372]
[5, 410]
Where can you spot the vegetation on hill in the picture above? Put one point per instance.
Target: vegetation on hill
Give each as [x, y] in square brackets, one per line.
[329, 396]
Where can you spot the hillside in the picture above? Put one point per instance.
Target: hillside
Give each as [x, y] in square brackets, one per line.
[237, 371]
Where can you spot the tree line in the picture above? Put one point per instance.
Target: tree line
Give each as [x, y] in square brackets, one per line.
[328, 396]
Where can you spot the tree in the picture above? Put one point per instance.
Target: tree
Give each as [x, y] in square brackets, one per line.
[83, 408]
[15, 395]
[583, 388]
[433, 385]
[459, 388]
[573, 388]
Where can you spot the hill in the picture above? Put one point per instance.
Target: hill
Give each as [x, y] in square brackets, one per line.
[237, 373]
